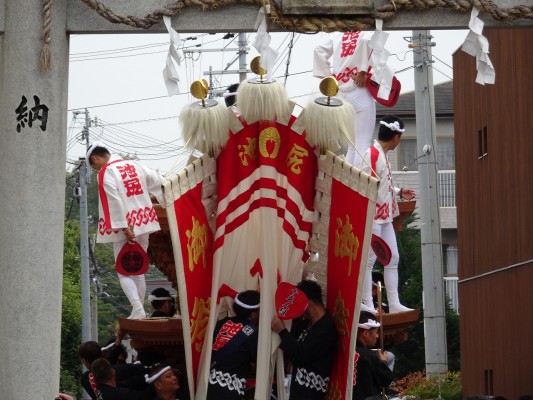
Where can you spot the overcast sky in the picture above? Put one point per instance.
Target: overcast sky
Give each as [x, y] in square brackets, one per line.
[118, 78]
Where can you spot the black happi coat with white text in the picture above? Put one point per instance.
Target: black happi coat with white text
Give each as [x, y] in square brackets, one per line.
[234, 350]
[311, 350]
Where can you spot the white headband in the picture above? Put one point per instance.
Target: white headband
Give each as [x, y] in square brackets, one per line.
[227, 94]
[393, 126]
[243, 305]
[93, 146]
[150, 379]
[370, 324]
[151, 297]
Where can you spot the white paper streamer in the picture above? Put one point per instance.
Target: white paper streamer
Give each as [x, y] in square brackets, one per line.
[170, 74]
[477, 46]
[262, 43]
[381, 73]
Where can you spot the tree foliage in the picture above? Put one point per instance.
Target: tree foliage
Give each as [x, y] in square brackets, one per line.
[71, 310]
[111, 300]
[410, 354]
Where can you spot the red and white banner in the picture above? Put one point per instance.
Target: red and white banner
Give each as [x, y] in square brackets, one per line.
[190, 202]
[342, 236]
[274, 201]
[265, 182]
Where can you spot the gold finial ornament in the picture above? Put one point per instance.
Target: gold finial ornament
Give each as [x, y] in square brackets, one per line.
[256, 68]
[329, 86]
[199, 89]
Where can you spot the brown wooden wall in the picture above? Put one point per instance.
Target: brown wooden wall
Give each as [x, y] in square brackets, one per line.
[495, 216]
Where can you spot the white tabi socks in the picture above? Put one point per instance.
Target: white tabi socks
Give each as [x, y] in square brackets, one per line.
[368, 303]
[390, 276]
[134, 287]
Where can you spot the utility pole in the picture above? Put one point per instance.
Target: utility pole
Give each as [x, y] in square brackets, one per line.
[94, 299]
[84, 241]
[430, 230]
[242, 51]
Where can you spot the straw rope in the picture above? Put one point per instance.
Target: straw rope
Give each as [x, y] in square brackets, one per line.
[320, 23]
[295, 24]
[46, 57]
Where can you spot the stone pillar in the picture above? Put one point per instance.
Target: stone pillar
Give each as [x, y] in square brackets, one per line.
[33, 119]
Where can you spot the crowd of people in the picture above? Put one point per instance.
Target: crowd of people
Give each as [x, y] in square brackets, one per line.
[309, 348]
[127, 190]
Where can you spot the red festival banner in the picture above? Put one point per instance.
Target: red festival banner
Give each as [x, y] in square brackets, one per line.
[349, 231]
[196, 241]
[265, 178]
[192, 242]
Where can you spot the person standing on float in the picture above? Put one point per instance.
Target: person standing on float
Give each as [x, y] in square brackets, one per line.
[350, 55]
[389, 135]
[124, 204]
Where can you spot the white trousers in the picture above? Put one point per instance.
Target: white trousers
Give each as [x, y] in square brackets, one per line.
[390, 272]
[133, 286]
[364, 106]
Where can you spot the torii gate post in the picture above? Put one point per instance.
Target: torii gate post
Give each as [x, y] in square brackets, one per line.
[32, 187]
[33, 141]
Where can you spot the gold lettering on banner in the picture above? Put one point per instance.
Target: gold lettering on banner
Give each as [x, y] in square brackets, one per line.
[199, 321]
[295, 158]
[196, 243]
[248, 152]
[340, 316]
[346, 243]
[269, 142]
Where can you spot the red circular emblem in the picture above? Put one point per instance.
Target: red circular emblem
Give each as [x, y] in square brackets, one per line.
[132, 260]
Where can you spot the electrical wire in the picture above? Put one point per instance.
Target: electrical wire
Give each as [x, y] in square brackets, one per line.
[288, 62]
[442, 73]
[438, 59]
[105, 57]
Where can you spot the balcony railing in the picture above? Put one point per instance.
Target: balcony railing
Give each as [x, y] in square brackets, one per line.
[447, 188]
[446, 182]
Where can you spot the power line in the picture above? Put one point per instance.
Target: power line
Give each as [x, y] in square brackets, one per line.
[143, 120]
[119, 50]
[160, 97]
[79, 56]
[125, 102]
[442, 73]
[438, 59]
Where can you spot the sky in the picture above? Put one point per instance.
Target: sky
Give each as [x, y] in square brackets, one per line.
[118, 79]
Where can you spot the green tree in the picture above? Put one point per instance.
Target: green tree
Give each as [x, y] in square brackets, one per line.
[410, 354]
[102, 267]
[72, 204]
[70, 372]
[111, 300]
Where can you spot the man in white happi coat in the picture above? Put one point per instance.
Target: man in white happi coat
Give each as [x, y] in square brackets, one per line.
[389, 135]
[124, 188]
[350, 55]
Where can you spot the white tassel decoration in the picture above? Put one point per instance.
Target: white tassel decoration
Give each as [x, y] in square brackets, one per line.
[205, 128]
[263, 102]
[328, 127]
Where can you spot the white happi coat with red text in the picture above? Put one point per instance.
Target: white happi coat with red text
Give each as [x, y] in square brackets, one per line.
[124, 189]
[350, 54]
[386, 204]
